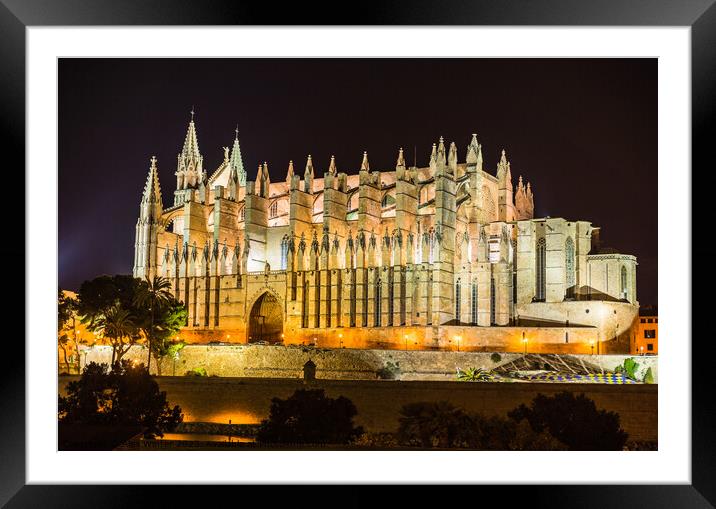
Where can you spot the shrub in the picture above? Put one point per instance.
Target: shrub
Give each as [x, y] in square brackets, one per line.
[495, 357]
[574, 421]
[474, 375]
[196, 372]
[630, 367]
[648, 376]
[125, 396]
[309, 417]
[390, 371]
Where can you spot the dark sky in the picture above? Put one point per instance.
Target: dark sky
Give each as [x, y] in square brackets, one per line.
[582, 131]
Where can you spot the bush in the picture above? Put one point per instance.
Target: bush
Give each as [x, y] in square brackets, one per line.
[648, 376]
[196, 372]
[309, 417]
[125, 396]
[495, 357]
[390, 371]
[574, 421]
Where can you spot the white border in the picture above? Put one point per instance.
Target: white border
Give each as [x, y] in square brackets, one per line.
[670, 464]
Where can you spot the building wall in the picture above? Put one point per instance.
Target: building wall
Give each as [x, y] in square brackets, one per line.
[648, 325]
[247, 401]
[378, 251]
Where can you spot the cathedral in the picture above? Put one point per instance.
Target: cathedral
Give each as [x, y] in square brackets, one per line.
[449, 256]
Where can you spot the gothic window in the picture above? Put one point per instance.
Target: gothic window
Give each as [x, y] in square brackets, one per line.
[391, 296]
[377, 306]
[273, 210]
[624, 286]
[493, 317]
[569, 267]
[473, 303]
[304, 321]
[353, 298]
[457, 301]
[317, 316]
[242, 214]
[541, 286]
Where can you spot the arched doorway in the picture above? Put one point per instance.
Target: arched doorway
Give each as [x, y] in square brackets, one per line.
[266, 320]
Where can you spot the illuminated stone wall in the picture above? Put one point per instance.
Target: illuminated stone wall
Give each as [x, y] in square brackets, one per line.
[425, 252]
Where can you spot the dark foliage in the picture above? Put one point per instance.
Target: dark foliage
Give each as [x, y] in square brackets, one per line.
[442, 425]
[309, 417]
[125, 396]
[574, 421]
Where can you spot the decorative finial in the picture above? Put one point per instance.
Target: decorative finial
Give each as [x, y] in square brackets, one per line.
[192, 113]
[153, 162]
[237, 131]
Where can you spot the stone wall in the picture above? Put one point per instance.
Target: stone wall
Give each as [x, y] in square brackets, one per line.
[247, 401]
[288, 361]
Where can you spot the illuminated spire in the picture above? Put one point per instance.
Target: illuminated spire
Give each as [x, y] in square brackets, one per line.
[433, 159]
[308, 176]
[452, 158]
[400, 163]
[190, 163]
[289, 174]
[236, 162]
[152, 195]
[332, 166]
[364, 165]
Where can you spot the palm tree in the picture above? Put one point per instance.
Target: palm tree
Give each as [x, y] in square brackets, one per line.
[152, 294]
[116, 324]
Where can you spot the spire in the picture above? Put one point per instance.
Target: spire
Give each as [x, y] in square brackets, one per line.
[332, 167]
[400, 163]
[308, 175]
[289, 174]
[433, 159]
[190, 160]
[474, 152]
[502, 165]
[152, 195]
[364, 165]
[441, 152]
[265, 183]
[236, 162]
[452, 158]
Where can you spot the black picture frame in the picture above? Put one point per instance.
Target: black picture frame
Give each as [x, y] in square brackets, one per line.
[700, 15]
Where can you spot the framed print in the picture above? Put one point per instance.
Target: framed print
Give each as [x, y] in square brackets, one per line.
[415, 250]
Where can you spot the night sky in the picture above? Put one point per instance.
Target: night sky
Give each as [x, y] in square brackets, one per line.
[582, 131]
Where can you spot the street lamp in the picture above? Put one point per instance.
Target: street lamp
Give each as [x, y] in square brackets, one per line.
[457, 338]
[406, 342]
[524, 340]
[641, 350]
[591, 343]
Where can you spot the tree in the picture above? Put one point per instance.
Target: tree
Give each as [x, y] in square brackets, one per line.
[436, 424]
[117, 325]
[126, 395]
[103, 292]
[171, 318]
[152, 294]
[309, 417]
[574, 421]
[66, 318]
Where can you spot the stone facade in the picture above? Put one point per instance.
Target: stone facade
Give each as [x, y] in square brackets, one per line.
[350, 258]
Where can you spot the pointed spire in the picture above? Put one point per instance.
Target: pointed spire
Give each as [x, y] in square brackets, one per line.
[332, 166]
[433, 159]
[190, 160]
[236, 162]
[308, 175]
[289, 174]
[151, 206]
[472, 151]
[400, 163]
[441, 152]
[452, 158]
[364, 165]
[502, 165]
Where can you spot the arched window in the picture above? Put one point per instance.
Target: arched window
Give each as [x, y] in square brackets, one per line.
[273, 210]
[377, 304]
[473, 303]
[540, 269]
[391, 296]
[457, 301]
[304, 315]
[242, 214]
[624, 285]
[569, 267]
[284, 253]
